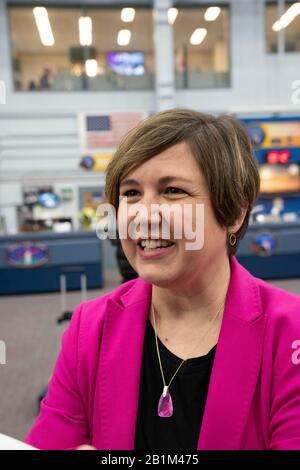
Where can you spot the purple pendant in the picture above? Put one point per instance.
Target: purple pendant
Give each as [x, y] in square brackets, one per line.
[165, 405]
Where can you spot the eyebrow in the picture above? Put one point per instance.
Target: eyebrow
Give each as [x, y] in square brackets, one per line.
[163, 179]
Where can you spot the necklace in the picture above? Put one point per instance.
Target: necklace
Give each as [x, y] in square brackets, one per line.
[165, 404]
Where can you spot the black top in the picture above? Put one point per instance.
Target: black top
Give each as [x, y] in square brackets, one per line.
[188, 391]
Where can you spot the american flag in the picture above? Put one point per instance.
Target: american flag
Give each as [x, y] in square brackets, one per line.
[106, 131]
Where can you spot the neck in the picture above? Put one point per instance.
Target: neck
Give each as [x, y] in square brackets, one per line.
[197, 299]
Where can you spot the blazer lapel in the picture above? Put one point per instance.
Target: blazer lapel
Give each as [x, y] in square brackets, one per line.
[120, 366]
[236, 365]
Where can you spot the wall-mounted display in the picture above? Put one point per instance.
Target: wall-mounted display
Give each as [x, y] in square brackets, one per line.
[126, 63]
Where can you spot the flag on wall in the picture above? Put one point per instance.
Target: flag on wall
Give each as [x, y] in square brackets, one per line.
[100, 131]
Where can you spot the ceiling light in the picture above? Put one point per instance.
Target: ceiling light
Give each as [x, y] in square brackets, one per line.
[85, 30]
[198, 36]
[212, 13]
[172, 15]
[124, 36]
[127, 15]
[43, 26]
[91, 67]
[287, 17]
[276, 26]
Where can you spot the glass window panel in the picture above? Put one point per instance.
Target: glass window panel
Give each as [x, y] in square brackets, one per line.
[271, 18]
[204, 65]
[292, 30]
[67, 65]
[288, 23]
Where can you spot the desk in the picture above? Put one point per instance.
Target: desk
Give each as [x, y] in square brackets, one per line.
[271, 250]
[32, 262]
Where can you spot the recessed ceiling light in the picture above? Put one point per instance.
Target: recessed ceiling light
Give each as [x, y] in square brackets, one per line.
[291, 13]
[85, 30]
[212, 13]
[198, 36]
[127, 15]
[43, 26]
[91, 67]
[172, 15]
[124, 36]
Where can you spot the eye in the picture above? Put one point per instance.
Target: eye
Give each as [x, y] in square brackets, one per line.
[175, 190]
[170, 190]
[127, 193]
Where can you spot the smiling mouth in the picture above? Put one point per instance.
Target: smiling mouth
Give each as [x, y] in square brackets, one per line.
[153, 245]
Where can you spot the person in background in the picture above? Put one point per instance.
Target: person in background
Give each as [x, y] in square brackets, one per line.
[45, 80]
[32, 86]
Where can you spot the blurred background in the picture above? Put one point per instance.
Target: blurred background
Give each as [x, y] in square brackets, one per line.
[74, 78]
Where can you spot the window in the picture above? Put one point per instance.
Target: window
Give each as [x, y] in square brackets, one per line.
[271, 35]
[292, 31]
[54, 50]
[283, 25]
[201, 46]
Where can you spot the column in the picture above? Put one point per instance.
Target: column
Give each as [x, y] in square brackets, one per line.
[6, 80]
[164, 58]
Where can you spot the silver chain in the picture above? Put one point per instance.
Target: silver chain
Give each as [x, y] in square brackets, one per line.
[184, 360]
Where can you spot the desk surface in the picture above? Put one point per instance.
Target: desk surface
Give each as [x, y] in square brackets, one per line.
[9, 443]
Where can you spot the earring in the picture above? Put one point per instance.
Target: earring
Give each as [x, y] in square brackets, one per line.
[232, 239]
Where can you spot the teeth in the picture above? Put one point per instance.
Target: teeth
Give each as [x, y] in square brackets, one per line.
[152, 244]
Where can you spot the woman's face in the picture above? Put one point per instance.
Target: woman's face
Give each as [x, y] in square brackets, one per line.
[174, 179]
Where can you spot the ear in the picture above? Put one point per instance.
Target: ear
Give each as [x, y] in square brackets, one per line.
[239, 222]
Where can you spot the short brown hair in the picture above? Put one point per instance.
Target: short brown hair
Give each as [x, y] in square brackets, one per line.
[221, 147]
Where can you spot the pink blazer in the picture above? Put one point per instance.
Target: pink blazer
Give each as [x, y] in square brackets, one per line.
[253, 399]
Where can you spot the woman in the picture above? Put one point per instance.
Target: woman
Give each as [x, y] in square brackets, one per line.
[196, 353]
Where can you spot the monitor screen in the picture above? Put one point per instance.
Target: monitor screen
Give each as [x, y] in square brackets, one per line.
[126, 63]
[48, 200]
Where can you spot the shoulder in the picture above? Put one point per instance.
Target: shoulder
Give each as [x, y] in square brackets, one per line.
[254, 297]
[277, 303]
[282, 311]
[83, 337]
[89, 317]
[92, 312]
[280, 365]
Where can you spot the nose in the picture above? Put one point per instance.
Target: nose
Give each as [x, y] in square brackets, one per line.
[143, 218]
[148, 219]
